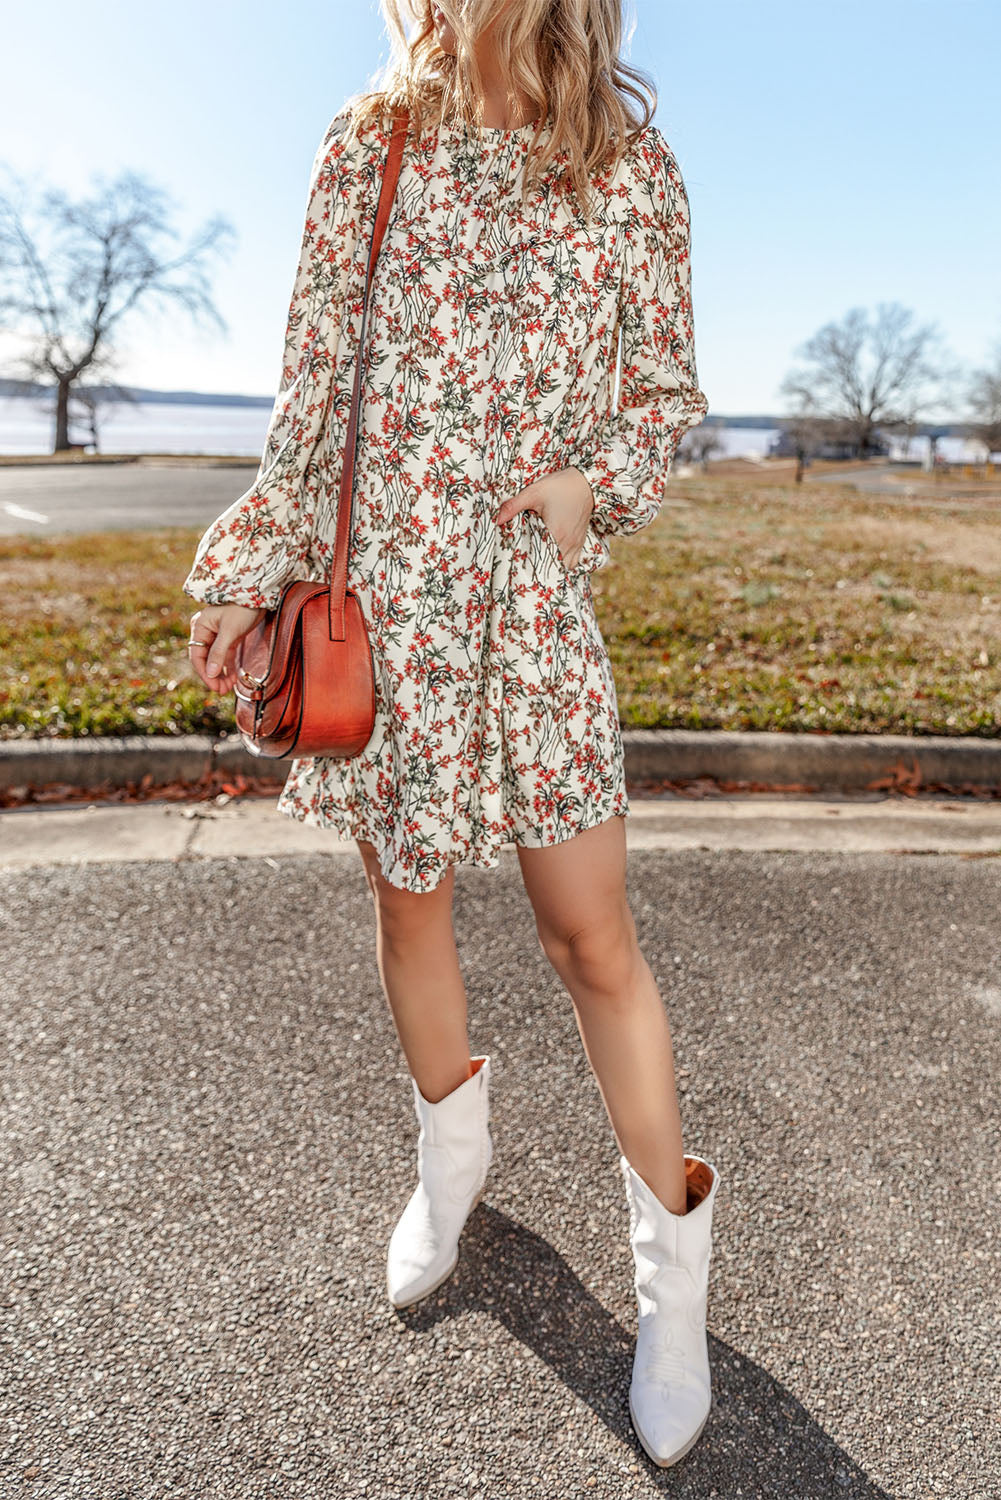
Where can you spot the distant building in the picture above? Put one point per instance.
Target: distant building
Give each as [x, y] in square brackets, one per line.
[938, 445]
[783, 446]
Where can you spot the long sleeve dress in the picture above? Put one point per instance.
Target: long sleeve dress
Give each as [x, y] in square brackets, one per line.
[492, 343]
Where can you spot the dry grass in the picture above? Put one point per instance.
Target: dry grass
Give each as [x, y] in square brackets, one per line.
[746, 605]
[93, 637]
[807, 607]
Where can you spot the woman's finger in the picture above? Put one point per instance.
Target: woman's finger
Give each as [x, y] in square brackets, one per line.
[200, 640]
[513, 507]
[221, 656]
[213, 637]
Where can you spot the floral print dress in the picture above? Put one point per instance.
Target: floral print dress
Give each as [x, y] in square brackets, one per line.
[492, 345]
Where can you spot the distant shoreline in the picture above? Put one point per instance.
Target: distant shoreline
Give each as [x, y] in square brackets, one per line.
[19, 390]
[16, 390]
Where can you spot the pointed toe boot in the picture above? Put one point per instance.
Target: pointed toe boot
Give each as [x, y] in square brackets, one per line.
[454, 1152]
[669, 1393]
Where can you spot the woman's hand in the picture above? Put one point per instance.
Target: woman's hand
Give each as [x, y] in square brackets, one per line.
[213, 636]
[565, 502]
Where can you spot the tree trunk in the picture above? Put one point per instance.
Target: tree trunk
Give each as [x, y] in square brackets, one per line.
[62, 417]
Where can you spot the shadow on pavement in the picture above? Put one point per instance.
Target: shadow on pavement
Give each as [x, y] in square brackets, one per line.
[759, 1439]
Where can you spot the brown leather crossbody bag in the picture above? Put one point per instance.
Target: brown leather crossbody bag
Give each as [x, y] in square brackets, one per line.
[305, 677]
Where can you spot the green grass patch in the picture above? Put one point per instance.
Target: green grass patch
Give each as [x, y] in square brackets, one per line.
[93, 637]
[744, 606]
[806, 608]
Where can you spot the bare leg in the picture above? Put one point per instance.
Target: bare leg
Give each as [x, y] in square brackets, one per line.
[578, 892]
[421, 979]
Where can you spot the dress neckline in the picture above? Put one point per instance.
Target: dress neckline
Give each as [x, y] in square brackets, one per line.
[493, 133]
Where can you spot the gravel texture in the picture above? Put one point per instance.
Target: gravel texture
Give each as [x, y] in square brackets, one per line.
[208, 1135]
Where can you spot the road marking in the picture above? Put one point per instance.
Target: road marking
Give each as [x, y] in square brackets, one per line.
[26, 515]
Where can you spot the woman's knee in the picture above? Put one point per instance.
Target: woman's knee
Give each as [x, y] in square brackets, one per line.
[599, 951]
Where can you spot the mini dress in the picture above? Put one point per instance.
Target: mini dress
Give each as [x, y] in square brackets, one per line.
[508, 336]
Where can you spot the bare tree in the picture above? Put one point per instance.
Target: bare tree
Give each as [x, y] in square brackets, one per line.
[72, 272]
[864, 374]
[806, 436]
[984, 402]
[699, 445]
[88, 404]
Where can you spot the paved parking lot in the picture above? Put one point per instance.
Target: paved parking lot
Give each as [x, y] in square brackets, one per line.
[41, 499]
[208, 1135]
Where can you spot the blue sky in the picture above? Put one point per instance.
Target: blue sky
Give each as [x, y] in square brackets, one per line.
[835, 155]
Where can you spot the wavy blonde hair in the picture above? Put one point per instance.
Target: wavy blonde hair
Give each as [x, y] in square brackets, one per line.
[563, 55]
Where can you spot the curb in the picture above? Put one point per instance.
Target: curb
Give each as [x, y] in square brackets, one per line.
[769, 759]
[815, 762]
[129, 760]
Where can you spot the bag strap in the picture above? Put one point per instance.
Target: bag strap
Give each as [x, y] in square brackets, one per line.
[338, 577]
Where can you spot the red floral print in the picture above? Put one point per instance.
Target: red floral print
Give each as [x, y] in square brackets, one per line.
[492, 348]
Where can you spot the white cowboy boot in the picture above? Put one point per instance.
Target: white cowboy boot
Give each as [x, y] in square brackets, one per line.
[669, 1394]
[454, 1150]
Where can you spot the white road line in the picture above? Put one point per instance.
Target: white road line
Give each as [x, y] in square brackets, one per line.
[26, 515]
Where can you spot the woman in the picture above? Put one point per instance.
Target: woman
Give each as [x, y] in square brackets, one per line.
[535, 219]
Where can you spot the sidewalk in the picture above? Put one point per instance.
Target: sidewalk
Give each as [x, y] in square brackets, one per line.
[252, 828]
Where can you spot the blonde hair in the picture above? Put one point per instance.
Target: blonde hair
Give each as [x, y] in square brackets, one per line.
[562, 54]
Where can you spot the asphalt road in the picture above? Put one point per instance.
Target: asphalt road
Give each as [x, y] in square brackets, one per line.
[208, 1135]
[907, 485]
[43, 499]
